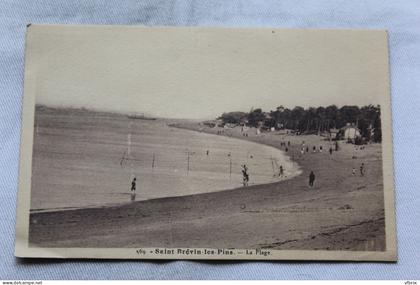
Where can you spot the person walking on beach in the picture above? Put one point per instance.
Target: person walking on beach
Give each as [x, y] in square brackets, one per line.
[314, 148]
[133, 185]
[245, 175]
[320, 148]
[362, 169]
[331, 150]
[133, 189]
[311, 179]
[281, 171]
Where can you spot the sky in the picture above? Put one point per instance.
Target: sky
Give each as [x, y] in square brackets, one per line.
[200, 73]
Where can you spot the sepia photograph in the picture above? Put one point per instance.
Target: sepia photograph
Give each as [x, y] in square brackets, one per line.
[206, 143]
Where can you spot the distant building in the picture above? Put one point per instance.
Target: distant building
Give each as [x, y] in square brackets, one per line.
[267, 123]
[349, 132]
[334, 133]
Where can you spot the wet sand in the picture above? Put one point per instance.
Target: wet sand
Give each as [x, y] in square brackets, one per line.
[342, 211]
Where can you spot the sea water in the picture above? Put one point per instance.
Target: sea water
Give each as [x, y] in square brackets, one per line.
[90, 159]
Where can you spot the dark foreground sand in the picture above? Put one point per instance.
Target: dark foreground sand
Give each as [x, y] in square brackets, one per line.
[342, 212]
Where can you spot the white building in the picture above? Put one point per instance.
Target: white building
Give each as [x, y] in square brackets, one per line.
[350, 132]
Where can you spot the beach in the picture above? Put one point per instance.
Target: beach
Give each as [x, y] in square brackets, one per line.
[341, 212]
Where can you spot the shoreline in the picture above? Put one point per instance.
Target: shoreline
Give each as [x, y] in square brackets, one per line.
[235, 137]
[296, 172]
[280, 215]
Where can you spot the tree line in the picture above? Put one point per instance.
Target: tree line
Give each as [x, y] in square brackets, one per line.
[313, 120]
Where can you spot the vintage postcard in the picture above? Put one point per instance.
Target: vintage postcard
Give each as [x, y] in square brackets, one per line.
[206, 143]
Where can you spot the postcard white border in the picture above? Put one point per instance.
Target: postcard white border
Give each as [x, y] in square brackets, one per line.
[22, 220]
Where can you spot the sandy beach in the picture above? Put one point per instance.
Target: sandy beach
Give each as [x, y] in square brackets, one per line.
[341, 212]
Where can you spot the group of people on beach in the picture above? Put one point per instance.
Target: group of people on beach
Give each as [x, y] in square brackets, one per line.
[304, 148]
[245, 174]
[312, 174]
[283, 143]
[245, 171]
[362, 170]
